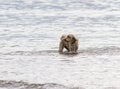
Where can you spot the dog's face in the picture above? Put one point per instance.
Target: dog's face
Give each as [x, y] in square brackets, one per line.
[71, 38]
[65, 38]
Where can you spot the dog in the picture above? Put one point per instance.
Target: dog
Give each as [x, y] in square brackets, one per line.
[69, 42]
[63, 43]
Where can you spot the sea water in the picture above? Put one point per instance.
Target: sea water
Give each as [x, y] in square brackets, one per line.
[30, 33]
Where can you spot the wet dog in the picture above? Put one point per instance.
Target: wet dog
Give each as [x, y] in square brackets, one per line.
[63, 43]
[69, 42]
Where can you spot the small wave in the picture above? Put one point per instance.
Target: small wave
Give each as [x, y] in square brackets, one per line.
[89, 51]
[28, 53]
[112, 50]
[24, 85]
[5, 84]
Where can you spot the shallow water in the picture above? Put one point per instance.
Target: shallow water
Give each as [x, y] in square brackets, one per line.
[29, 38]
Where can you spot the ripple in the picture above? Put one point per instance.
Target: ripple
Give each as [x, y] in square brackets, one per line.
[24, 85]
[89, 51]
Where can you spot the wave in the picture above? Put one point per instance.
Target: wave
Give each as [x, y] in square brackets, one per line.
[5, 84]
[112, 50]
[24, 85]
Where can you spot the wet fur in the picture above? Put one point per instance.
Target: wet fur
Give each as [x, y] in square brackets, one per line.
[63, 43]
[73, 43]
[69, 42]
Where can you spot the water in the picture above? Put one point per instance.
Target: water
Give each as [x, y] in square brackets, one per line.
[29, 38]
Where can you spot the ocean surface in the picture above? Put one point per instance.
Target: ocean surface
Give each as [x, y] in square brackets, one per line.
[30, 32]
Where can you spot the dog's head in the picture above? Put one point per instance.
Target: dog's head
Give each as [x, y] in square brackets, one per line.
[63, 37]
[71, 38]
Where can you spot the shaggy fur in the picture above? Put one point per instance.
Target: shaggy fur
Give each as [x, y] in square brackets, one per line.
[69, 42]
[63, 43]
